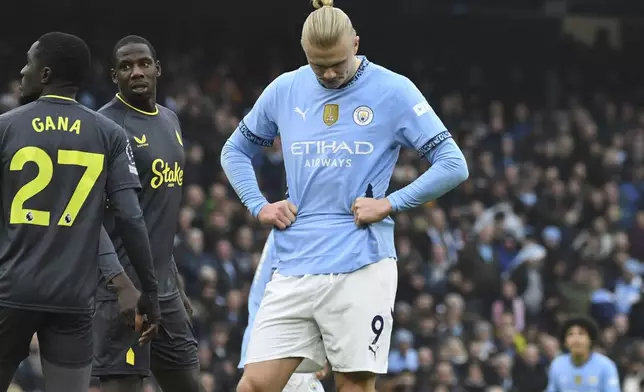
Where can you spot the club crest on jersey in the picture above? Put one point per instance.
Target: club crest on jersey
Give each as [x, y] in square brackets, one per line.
[578, 380]
[331, 113]
[363, 115]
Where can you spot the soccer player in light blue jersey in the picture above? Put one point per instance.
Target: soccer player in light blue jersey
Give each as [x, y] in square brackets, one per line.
[582, 369]
[299, 382]
[342, 121]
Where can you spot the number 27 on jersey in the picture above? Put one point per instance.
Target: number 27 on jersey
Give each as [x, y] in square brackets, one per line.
[93, 164]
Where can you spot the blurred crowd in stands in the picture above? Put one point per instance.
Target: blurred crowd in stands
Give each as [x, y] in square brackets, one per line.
[550, 222]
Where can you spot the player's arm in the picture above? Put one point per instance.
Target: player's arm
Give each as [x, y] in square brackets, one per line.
[258, 129]
[552, 378]
[112, 270]
[420, 128]
[110, 266]
[610, 378]
[182, 290]
[122, 186]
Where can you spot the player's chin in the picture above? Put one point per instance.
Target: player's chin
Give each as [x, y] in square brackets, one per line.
[330, 84]
[577, 350]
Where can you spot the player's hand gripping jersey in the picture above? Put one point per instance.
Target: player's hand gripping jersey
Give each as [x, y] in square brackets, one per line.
[335, 280]
[338, 145]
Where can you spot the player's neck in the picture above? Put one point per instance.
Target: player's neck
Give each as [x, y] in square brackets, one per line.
[147, 105]
[352, 72]
[580, 359]
[60, 91]
[356, 64]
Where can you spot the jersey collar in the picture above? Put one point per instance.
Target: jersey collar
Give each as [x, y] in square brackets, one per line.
[154, 113]
[57, 98]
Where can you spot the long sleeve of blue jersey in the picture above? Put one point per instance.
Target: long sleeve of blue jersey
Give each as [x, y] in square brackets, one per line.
[236, 160]
[258, 129]
[420, 128]
[448, 170]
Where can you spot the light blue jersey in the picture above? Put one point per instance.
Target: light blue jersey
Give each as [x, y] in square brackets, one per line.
[260, 280]
[598, 374]
[338, 145]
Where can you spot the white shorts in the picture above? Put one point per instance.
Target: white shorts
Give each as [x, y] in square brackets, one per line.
[303, 382]
[346, 318]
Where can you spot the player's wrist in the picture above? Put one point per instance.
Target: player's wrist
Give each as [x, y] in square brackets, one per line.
[122, 282]
[388, 206]
[149, 304]
[393, 206]
[258, 208]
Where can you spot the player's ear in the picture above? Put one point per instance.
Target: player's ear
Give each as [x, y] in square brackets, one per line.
[45, 75]
[158, 67]
[356, 43]
[113, 76]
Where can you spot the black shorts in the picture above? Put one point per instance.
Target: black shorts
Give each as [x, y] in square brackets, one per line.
[64, 339]
[117, 352]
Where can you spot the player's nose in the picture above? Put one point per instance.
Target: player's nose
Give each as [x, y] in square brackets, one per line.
[329, 74]
[137, 72]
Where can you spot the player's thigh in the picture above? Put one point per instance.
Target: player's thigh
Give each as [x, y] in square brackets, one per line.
[122, 384]
[17, 327]
[269, 375]
[175, 347]
[65, 379]
[355, 381]
[303, 382]
[356, 318]
[66, 340]
[182, 380]
[284, 326]
[116, 349]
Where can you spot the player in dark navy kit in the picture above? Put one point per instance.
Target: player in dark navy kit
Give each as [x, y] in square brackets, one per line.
[155, 134]
[59, 160]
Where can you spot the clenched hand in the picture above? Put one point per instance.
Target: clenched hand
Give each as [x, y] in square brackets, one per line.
[280, 214]
[367, 210]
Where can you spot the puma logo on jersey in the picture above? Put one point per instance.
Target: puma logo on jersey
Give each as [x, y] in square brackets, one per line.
[301, 113]
[141, 142]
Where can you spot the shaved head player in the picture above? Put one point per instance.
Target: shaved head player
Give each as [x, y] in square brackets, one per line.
[155, 134]
[59, 159]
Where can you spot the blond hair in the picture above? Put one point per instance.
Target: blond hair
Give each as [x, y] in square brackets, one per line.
[325, 26]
